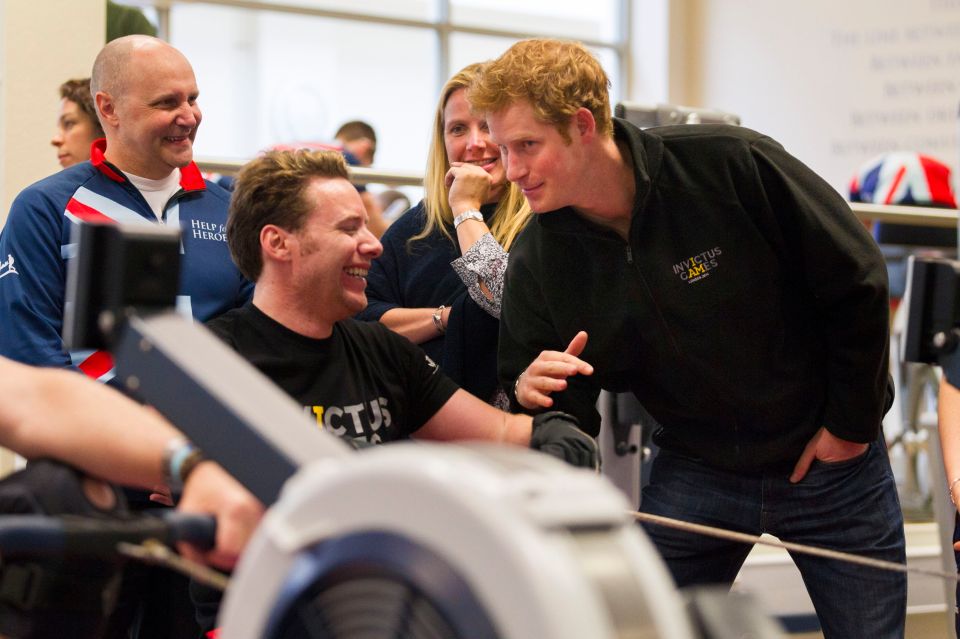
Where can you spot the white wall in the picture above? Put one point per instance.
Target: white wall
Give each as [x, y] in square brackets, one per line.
[649, 82]
[836, 82]
[41, 45]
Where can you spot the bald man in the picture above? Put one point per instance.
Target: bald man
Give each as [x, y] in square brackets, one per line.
[141, 173]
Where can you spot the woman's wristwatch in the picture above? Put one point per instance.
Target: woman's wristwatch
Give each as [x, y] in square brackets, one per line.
[467, 215]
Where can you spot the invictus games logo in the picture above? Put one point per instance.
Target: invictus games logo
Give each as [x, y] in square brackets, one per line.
[697, 267]
[363, 420]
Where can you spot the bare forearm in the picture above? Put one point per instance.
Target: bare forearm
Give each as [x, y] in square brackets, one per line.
[62, 415]
[465, 417]
[948, 408]
[416, 324]
[519, 429]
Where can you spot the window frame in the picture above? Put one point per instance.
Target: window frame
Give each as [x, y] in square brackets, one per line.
[442, 26]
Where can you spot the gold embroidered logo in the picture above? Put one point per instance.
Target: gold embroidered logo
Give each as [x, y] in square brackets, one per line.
[697, 267]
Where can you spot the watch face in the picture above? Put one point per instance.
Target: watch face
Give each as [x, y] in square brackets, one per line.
[467, 215]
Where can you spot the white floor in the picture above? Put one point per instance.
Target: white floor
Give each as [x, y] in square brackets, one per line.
[919, 626]
[771, 578]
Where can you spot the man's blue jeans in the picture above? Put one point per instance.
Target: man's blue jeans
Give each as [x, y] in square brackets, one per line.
[850, 506]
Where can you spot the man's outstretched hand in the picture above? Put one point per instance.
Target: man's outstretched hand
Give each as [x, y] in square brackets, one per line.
[549, 372]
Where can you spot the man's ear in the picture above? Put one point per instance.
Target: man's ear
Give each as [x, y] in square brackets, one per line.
[107, 108]
[275, 242]
[586, 125]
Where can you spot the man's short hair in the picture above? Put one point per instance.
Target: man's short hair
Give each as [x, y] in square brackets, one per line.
[555, 77]
[77, 91]
[354, 130]
[269, 190]
[110, 72]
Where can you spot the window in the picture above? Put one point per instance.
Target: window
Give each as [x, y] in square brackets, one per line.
[590, 21]
[276, 78]
[282, 71]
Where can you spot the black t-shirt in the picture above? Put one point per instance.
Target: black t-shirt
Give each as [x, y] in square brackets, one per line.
[363, 382]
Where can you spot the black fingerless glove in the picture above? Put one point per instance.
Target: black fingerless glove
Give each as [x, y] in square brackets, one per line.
[558, 434]
[358, 443]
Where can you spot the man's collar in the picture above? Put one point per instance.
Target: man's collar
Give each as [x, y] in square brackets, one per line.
[190, 177]
[645, 152]
[99, 161]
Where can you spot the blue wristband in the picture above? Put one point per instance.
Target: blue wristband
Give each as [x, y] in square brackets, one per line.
[180, 457]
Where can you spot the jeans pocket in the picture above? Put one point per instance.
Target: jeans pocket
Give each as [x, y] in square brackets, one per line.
[843, 463]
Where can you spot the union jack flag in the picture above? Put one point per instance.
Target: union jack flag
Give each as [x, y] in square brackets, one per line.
[904, 178]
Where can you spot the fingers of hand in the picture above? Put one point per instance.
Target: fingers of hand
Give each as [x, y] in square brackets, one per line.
[161, 498]
[830, 448]
[546, 383]
[807, 457]
[803, 464]
[189, 551]
[533, 398]
[467, 182]
[531, 392]
[554, 364]
[799, 471]
[577, 344]
[215, 558]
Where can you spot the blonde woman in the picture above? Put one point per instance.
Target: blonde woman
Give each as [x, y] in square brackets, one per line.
[439, 280]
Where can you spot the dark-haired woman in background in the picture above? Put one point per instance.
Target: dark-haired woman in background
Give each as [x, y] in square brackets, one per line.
[77, 124]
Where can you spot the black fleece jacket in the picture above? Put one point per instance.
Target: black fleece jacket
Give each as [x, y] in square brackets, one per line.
[747, 310]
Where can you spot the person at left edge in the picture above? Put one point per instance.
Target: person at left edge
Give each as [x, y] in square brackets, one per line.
[141, 173]
[77, 124]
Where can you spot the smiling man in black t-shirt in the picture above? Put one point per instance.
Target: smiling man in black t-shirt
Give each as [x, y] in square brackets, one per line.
[298, 229]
